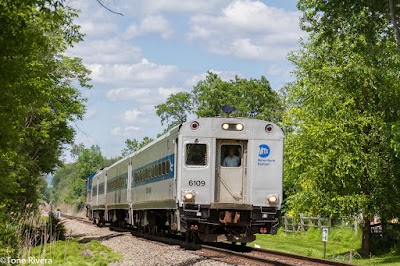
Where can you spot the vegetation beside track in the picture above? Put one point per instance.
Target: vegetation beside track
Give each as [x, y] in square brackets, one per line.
[72, 252]
[340, 242]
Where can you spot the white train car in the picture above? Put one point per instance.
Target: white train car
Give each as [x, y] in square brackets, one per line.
[214, 178]
[98, 195]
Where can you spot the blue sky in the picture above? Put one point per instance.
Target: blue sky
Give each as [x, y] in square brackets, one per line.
[159, 47]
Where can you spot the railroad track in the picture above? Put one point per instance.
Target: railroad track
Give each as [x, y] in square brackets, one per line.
[234, 254]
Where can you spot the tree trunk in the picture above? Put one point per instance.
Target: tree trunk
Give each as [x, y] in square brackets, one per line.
[366, 237]
[392, 7]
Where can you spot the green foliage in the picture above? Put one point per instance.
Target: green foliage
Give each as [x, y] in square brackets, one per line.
[72, 252]
[9, 237]
[176, 109]
[251, 98]
[134, 145]
[39, 93]
[342, 109]
[68, 183]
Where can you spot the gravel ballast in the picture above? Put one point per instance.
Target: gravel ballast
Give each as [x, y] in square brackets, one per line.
[136, 251]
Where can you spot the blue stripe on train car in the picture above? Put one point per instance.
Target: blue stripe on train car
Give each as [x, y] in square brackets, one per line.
[169, 175]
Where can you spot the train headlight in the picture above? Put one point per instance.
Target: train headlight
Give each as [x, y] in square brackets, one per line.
[188, 196]
[225, 126]
[273, 199]
[232, 127]
[239, 127]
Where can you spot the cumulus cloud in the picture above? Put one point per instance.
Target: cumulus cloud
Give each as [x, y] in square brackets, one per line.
[247, 29]
[107, 51]
[126, 94]
[90, 113]
[155, 24]
[142, 7]
[131, 115]
[165, 92]
[125, 131]
[140, 73]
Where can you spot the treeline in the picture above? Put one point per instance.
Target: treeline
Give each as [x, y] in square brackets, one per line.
[68, 183]
[39, 98]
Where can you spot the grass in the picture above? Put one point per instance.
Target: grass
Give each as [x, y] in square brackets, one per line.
[71, 252]
[340, 242]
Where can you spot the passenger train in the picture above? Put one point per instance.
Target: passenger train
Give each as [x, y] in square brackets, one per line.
[181, 183]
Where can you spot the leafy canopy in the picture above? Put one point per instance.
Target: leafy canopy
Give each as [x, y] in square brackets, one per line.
[341, 109]
[251, 98]
[40, 95]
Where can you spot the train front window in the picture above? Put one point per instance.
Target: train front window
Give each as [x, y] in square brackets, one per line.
[230, 155]
[196, 154]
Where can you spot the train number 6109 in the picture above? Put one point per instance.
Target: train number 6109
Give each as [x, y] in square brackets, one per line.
[197, 183]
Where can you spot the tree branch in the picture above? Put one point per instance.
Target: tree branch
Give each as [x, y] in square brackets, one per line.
[396, 29]
[112, 11]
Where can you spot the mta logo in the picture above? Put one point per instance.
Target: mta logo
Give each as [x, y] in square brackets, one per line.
[264, 151]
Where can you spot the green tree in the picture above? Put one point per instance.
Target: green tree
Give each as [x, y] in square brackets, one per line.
[176, 109]
[134, 145]
[251, 98]
[68, 183]
[39, 93]
[342, 107]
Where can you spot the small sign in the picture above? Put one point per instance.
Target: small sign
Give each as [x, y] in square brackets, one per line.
[325, 234]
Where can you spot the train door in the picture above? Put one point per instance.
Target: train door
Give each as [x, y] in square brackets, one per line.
[231, 165]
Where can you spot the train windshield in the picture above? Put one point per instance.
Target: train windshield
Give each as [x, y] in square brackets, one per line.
[196, 154]
[230, 155]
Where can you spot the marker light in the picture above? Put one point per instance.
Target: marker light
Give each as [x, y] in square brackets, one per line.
[273, 199]
[269, 128]
[194, 125]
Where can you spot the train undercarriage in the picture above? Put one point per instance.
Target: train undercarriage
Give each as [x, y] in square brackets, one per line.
[207, 223]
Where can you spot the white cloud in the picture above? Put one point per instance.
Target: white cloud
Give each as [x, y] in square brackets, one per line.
[172, 6]
[165, 92]
[131, 115]
[124, 131]
[143, 72]
[126, 94]
[248, 29]
[151, 25]
[107, 51]
[90, 113]
[223, 75]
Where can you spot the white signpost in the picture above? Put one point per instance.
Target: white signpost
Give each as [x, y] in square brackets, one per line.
[325, 238]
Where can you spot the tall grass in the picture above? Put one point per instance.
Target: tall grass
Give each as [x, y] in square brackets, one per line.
[35, 239]
[71, 252]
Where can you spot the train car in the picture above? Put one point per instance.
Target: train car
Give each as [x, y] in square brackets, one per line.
[213, 179]
[89, 202]
[98, 205]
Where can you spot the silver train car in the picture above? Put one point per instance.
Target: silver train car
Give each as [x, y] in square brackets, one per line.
[213, 179]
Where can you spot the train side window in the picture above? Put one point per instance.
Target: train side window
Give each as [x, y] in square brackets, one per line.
[163, 168]
[230, 155]
[168, 166]
[196, 154]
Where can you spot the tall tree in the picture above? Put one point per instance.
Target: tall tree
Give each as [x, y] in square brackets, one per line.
[40, 95]
[251, 98]
[134, 145]
[176, 109]
[342, 108]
